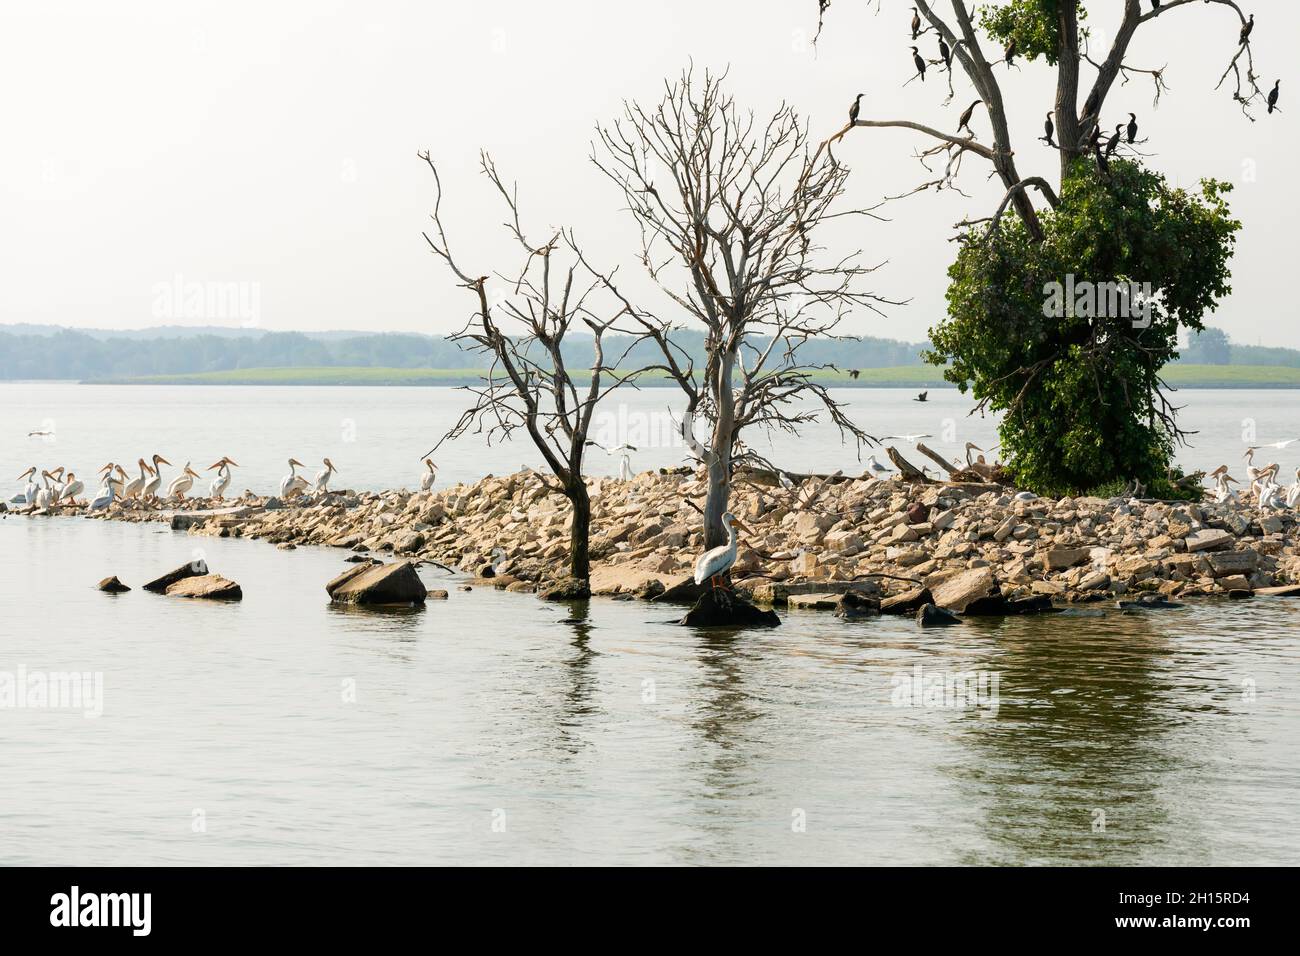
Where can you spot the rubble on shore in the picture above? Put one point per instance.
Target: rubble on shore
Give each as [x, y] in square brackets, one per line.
[963, 546]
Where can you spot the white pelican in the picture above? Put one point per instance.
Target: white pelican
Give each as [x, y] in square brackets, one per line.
[30, 489]
[323, 477]
[107, 477]
[219, 484]
[430, 476]
[711, 564]
[45, 495]
[133, 487]
[1293, 492]
[182, 482]
[293, 483]
[1225, 495]
[106, 495]
[875, 468]
[153, 484]
[73, 488]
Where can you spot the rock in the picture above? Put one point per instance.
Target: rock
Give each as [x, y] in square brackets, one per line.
[814, 602]
[917, 513]
[1238, 594]
[408, 543]
[396, 583]
[191, 570]
[1148, 602]
[1226, 563]
[1208, 539]
[682, 591]
[113, 585]
[1096, 581]
[1058, 559]
[856, 604]
[1234, 582]
[717, 608]
[906, 603]
[1285, 590]
[956, 592]
[928, 615]
[357, 559]
[565, 589]
[1036, 604]
[211, 587]
[436, 595]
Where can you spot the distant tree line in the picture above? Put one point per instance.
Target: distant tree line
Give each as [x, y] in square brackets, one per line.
[77, 355]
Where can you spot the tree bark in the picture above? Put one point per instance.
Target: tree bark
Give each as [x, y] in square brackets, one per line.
[718, 498]
[579, 531]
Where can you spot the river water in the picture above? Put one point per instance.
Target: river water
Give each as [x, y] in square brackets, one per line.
[492, 728]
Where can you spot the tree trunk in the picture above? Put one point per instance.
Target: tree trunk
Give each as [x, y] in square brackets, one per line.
[579, 531]
[719, 495]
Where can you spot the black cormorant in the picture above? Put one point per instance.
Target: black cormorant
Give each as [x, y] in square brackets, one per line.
[1246, 28]
[853, 110]
[964, 122]
[1113, 141]
[916, 24]
[921, 397]
[1272, 97]
[1132, 127]
[920, 62]
[945, 54]
[1009, 51]
[1048, 129]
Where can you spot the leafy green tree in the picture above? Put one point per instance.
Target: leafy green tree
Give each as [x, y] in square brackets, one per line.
[1078, 380]
[1079, 387]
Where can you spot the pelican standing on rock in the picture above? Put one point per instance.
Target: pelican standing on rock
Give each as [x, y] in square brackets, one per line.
[31, 488]
[153, 484]
[133, 487]
[430, 475]
[220, 483]
[73, 488]
[714, 563]
[293, 483]
[323, 477]
[182, 482]
[106, 495]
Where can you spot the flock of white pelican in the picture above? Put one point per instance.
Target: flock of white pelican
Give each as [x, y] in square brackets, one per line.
[1261, 482]
[43, 489]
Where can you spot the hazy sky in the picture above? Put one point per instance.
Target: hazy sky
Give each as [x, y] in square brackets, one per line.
[155, 145]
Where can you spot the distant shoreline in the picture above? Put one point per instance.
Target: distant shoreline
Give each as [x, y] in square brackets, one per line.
[903, 376]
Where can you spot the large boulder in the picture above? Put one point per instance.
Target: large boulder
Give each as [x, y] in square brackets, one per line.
[211, 587]
[192, 570]
[1210, 539]
[857, 604]
[717, 608]
[909, 602]
[960, 590]
[928, 615]
[565, 589]
[396, 583]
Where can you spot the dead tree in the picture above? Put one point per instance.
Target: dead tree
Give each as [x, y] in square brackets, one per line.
[528, 385]
[730, 210]
[1074, 124]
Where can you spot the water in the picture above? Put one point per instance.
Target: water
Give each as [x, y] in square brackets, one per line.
[377, 436]
[492, 728]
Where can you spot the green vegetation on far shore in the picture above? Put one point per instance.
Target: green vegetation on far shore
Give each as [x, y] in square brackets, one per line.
[900, 376]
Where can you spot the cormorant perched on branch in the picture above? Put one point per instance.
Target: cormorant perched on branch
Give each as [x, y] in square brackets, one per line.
[964, 122]
[1246, 28]
[945, 53]
[1132, 127]
[1113, 141]
[857, 105]
[1272, 97]
[920, 62]
[1048, 128]
[1009, 51]
[1103, 164]
[916, 24]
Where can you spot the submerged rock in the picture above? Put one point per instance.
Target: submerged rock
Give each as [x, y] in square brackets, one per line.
[396, 583]
[718, 608]
[930, 615]
[857, 604]
[192, 570]
[566, 589]
[112, 585]
[211, 587]
[909, 602]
